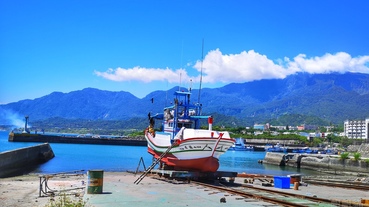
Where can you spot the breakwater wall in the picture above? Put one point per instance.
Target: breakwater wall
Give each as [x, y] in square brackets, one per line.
[282, 142]
[363, 149]
[20, 161]
[25, 137]
[318, 162]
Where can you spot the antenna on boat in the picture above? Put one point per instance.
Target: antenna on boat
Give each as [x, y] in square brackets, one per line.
[202, 59]
[166, 95]
[190, 88]
[180, 81]
[180, 74]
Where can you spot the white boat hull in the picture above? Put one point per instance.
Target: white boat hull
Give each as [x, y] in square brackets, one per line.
[195, 150]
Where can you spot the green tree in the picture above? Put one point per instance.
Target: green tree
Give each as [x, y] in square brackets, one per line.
[333, 138]
[345, 141]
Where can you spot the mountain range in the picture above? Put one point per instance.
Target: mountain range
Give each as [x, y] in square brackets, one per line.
[331, 98]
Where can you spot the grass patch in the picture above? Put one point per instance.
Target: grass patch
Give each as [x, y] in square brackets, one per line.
[66, 201]
[357, 156]
[344, 155]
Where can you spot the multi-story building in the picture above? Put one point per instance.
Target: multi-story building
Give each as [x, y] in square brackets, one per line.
[279, 127]
[357, 129]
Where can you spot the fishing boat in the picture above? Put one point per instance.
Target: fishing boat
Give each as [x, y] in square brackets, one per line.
[240, 146]
[275, 148]
[182, 144]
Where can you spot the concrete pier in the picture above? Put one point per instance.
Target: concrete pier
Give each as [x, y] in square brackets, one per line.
[20, 161]
[275, 158]
[27, 137]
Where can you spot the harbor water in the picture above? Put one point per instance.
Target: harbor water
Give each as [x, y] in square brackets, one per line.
[75, 157]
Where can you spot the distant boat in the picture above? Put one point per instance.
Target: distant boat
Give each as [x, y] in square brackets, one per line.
[275, 148]
[240, 146]
[314, 151]
[259, 148]
[182, 145]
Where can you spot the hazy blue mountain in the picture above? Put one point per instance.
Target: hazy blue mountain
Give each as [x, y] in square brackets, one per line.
[332, 97]
[88, 103]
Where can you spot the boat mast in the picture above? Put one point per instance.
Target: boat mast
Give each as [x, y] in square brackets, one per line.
[202, 59]
[175, 118]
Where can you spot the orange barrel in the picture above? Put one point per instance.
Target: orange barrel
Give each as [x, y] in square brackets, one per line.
[95, 181]
[296, 186]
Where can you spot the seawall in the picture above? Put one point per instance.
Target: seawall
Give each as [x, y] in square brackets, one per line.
[283, 142]
[25, 137]
[23, 160]
[275, 159]
[318, 162]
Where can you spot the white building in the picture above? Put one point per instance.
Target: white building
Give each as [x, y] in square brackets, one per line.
[279, 127]
[259, 127]
[357, 129]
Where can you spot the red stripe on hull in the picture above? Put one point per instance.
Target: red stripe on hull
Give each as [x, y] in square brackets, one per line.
[206, 164]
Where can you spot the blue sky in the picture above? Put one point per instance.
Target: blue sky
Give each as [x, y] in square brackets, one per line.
[142, 46]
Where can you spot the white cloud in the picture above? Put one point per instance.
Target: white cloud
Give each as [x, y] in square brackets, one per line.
[328, 63]
[145, 75]
[243, 67]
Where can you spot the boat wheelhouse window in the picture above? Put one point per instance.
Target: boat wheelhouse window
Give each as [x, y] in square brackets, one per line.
[186, 125]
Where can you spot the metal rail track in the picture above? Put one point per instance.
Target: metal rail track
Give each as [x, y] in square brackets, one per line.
[281, 198]
[338, 184]
[278, 197]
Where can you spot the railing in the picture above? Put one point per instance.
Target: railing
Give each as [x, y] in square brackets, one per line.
[45, 190]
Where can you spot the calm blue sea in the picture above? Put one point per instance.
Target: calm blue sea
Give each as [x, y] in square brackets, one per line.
[72, 157]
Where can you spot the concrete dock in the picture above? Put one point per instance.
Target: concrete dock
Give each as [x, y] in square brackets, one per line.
[119, 190]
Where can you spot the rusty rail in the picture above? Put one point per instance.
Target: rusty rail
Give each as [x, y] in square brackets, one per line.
[259, 194]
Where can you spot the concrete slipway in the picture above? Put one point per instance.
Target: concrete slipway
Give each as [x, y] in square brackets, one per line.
[119, 190]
